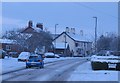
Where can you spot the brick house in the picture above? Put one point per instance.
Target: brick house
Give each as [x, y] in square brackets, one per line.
[10, 46]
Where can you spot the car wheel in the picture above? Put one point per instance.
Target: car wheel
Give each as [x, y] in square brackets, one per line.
[27, 67]
[40, 67]
[43, 66]
[118, 67]
[18, 60]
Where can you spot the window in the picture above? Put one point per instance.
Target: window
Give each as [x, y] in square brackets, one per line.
[76, 44]
[8, 47]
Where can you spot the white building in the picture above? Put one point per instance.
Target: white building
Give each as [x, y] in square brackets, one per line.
[79, 44]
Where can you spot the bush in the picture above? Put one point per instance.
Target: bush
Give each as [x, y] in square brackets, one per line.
[99, 65]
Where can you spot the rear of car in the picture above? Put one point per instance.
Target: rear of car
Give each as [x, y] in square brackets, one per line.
[24, 56]
[35, 61]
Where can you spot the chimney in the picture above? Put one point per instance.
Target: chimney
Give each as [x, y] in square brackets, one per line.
[67, 29]
[30, 24]
[81, 32]
[39, 25]
[73, 30]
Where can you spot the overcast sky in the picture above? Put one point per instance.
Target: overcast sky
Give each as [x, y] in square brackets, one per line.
[67, 14]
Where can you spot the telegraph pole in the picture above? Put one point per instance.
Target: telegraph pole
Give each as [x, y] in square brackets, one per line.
[95, 34]
[55, 37]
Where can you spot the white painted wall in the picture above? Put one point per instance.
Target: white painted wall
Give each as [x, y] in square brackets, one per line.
[61, 39]
[68, 40]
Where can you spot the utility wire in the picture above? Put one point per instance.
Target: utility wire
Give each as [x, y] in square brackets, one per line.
[93, 9]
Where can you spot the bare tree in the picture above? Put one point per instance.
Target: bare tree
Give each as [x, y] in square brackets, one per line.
[30, 41]
[109, 42]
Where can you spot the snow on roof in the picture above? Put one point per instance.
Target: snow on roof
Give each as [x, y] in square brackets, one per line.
[6, 41]
[110, 58]
[60, 45]
[37, 29]
[78, 37]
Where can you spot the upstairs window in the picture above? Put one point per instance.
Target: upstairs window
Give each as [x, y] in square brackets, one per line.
[76, 44]
[8, 47]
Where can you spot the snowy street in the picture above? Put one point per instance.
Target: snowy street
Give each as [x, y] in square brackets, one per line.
[60, 41]
[56, 71]
[69, 69]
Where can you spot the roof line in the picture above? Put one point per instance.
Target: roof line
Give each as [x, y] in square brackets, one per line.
[69, 37]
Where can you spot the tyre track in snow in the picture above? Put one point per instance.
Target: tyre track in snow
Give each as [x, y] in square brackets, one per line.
[44, 74]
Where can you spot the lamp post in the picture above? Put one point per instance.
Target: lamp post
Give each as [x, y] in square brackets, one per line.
[65, 44]
[55, 37]
[95, 34]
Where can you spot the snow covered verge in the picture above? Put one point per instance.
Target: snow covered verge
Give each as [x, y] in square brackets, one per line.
[85, 73]
[108, 59]
[12, 64]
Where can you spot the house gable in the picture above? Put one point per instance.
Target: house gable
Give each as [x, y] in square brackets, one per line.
[71, 38]
[28, 30]
[65, 34]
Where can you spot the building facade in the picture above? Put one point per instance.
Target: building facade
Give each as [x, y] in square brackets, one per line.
[79, 45]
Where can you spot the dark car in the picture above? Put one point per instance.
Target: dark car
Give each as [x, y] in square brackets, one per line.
[35, 61]
[2, 54]
[14, 54]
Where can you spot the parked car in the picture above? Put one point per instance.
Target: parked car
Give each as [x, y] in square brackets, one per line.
[35, 61]
[2, 54]
[80, 55]
[14, 54]
[61, 55]
[24, 56]
[49, 55]
[57, 56]
[105, 61]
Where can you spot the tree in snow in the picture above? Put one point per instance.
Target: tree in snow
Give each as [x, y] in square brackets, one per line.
[32, 40]
[118, 43]
[38, 40]
[109, 42]
[18, 38]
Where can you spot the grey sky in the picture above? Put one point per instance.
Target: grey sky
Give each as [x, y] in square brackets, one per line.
[76, 15]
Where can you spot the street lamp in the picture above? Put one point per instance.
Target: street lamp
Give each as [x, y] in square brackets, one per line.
[95, 34]
[65, 45]
[55, 37]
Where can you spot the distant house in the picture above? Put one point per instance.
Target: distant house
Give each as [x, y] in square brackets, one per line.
[79, 44]
[10, 46]
[30, 29]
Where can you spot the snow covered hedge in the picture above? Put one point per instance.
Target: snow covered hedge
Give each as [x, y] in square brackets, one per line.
[105, 62]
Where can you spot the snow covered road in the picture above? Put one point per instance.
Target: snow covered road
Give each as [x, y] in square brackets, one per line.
[11, 64]
[74, 69]
[56, 71]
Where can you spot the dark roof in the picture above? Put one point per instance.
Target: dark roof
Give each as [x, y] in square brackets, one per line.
[28, 30]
